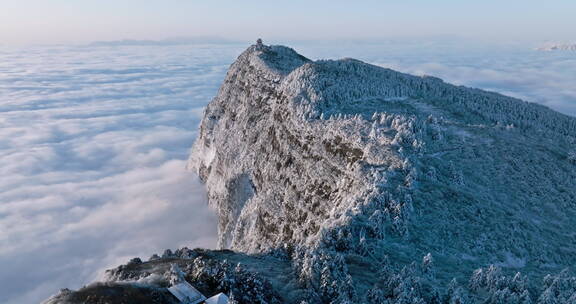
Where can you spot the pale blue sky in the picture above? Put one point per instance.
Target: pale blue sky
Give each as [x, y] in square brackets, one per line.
[55, 21]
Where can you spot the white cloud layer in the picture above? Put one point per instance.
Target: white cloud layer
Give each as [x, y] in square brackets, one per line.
[93, 142]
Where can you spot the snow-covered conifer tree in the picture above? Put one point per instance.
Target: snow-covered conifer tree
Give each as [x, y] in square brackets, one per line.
[232, 299]
[175, 275]
[427, 264]
[572, 156]
[376, 296]
[455, 294]
[456, 174]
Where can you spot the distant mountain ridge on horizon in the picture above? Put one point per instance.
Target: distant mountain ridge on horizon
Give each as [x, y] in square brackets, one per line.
[167, 41]
[558, 47]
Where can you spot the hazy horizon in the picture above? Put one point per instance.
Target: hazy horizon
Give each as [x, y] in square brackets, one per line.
[62, 22]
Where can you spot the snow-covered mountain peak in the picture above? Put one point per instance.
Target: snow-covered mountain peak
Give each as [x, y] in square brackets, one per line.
[273, 59]
[339, 159]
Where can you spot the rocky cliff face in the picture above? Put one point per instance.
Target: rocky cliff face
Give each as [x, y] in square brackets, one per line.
[350, 168]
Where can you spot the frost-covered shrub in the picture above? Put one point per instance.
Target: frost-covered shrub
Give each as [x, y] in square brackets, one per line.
[175, 275]
[218, 276]
[428, 265]
[559, 289]
[154, 257]
[376, 296]
[572, 156]
[455, 294]
[168, 254]
[500, 288]
[185, 253]
[135, 261]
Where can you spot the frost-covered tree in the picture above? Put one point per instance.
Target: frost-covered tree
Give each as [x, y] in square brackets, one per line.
[175, 275]
[384, 269]
[427, 263]
[232, 299]
[154, 257]
[525, 298]
[548, 297]
[455, 294]
[376, 296]
[349, 289]
[558, 289]
[499, 288]
[135, 261]
[167, 254]
[327, 288]
[572, 156]
[185, 253]
[456, 175]
[363, 247]
[377, 222]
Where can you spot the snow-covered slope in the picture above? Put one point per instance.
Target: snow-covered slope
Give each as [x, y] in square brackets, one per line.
[355, 172]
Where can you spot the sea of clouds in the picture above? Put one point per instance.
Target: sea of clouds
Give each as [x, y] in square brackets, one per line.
[93, 143]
